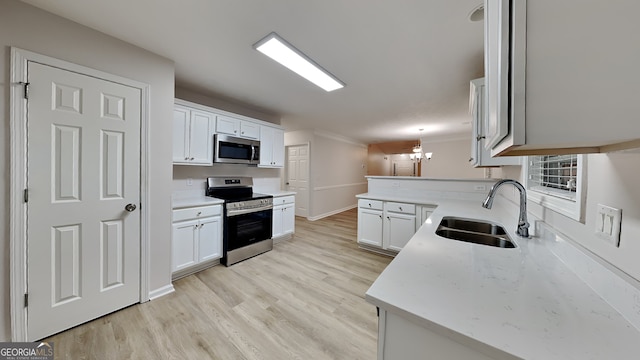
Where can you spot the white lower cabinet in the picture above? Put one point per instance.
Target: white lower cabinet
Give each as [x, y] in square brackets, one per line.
[400, 338]
[399, 225]
[387, 225]
[422, 214]
[284, 212]
[370, 227]
[196, 238]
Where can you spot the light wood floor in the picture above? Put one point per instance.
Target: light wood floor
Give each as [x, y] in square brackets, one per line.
[303, 300]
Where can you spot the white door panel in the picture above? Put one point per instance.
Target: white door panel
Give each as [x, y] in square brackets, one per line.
[298, 177]
[83, 169]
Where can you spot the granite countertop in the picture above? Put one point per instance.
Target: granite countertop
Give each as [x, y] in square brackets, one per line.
[525, 301]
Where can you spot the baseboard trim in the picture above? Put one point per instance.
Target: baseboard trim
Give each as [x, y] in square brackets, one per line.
[377, 250]
[192, 270]
[314, 218]
[165, 290]
[282, 238]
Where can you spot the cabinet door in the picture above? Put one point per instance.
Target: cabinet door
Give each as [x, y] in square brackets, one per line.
[277, 224]
[423, 214]
[201, 138]
[210, 238]
[266, 146]
[399, 228]
[288, 218]
[496, 70]
[278, 148]
[227, 125]
[370, 227]
[180, 134]
[184, 244]
[249, 130]
[480, 155]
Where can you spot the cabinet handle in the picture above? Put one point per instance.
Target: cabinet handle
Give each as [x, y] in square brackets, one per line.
[480, 137]
[186, 158]
[199, 213]
[191, 158]
[388, 218]
[380, 216]
[201, 225]
[369, 204]
[400, 208]
[470, 159]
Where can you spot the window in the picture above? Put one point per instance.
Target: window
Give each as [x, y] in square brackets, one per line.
[558, 182]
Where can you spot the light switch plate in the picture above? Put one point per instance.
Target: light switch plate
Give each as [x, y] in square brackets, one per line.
[608, 222]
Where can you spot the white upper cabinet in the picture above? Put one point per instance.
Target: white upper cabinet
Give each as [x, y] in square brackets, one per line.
[271, 147]
[561, 77]
[236, 127]
[192, 136]
[194, 126]
[480, 154]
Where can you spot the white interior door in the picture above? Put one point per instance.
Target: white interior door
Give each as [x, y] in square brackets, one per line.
[298, 176]
[83, 258]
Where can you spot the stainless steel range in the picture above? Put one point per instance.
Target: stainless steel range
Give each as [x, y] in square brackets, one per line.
[248, 218]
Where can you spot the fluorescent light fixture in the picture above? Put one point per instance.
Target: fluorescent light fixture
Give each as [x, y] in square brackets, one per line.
[286, 54]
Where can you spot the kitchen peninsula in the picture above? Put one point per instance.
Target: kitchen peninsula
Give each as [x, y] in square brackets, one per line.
[454, 299]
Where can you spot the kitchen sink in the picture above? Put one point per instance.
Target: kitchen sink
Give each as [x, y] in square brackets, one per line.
[474, 231]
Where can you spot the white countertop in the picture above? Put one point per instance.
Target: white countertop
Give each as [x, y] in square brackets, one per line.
[278, 193]
[194, 200]
[523, 301]
[182, 199]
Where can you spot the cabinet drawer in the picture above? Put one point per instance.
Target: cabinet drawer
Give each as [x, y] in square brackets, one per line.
[370, 204]
[196, 212]
[284, 200]
[402, 208]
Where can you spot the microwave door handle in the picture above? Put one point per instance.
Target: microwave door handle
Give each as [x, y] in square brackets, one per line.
[253, 153]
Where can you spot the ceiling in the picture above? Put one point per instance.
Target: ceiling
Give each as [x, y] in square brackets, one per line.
[406, 63]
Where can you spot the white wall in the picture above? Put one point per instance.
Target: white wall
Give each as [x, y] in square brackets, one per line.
[336, 172]
[215, 102]
[32, 29]
[451, 160]
[264, 180]
[612, 180]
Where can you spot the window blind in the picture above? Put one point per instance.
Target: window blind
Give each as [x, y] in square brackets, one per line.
[554, 175]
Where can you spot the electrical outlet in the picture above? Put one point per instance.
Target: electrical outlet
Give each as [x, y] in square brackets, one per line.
[479, 188]
[608, 222]
[189, 182]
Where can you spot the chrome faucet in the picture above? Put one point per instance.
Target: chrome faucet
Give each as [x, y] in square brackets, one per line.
[523, 224]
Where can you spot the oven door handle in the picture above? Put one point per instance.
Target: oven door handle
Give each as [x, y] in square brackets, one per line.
[231, 213]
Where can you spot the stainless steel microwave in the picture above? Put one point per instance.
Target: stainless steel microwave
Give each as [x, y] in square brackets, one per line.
[234, 150]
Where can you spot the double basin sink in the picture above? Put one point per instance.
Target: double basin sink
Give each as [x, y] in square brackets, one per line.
[474, 231]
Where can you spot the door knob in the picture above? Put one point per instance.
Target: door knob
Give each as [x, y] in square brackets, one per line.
[130, 207]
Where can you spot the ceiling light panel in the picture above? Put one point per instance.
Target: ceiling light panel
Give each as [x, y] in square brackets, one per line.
[286, 54]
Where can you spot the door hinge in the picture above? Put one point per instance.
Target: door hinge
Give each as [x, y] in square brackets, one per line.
[26, 195]
[26, 88]
[26, 299]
